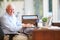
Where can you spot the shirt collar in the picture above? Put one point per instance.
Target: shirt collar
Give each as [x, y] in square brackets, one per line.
[9, 15]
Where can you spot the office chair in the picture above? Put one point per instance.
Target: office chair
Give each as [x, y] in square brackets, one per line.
[1, 34]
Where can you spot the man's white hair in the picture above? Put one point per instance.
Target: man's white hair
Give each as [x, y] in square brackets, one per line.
[11, 5]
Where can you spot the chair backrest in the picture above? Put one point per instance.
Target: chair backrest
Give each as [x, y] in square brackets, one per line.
[33, 19]
[1, 33]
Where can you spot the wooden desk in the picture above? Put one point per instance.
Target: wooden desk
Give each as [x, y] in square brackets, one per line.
[46, 34]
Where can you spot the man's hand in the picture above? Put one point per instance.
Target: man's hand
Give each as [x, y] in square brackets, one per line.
[27, 25]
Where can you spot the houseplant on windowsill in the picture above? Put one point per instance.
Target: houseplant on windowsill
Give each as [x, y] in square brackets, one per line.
[44, 21]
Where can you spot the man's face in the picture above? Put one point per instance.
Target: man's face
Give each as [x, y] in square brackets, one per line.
[10, 10]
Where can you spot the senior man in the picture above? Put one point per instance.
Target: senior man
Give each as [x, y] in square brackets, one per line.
[10, 23]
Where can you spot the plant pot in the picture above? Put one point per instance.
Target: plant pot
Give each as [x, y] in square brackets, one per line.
[44, 23]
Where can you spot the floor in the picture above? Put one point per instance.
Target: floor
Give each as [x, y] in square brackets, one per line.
[6, 37]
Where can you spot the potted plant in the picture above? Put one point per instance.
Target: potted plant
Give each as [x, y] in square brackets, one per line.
[44, 21]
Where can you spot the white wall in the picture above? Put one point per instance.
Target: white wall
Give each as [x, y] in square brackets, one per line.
[55, 10]
[29, 7]
[45, 8]
[19, 5]
[2, 9]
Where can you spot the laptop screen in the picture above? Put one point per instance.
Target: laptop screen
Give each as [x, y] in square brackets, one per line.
[29, 17]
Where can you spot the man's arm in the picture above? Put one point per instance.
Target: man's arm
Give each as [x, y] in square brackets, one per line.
[7, 24]
[27, 25]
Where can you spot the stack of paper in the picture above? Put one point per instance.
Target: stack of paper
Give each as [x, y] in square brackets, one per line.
[54, 27]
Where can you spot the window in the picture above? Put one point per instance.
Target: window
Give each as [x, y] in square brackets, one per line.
[43, 9]
[38, 7]
[50, 5]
